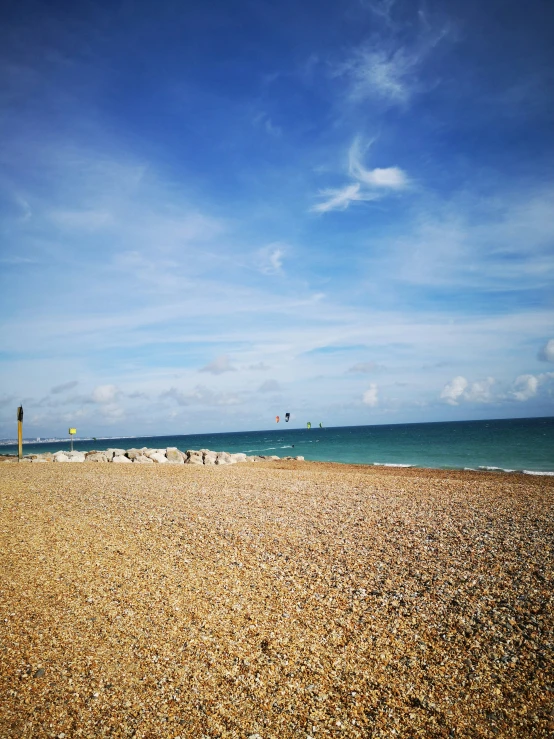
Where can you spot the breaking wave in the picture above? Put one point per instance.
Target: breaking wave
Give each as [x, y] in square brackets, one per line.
[391, 464]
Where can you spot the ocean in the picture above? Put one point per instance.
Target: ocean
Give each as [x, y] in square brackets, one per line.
[515, 445]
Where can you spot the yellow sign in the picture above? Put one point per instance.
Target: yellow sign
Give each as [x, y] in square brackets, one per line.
[72, 431]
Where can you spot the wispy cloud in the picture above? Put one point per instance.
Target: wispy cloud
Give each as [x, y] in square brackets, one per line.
[388, 68]
[270, 258]
[389, 75]
[381, 8]
[371, 184]
[340, 199]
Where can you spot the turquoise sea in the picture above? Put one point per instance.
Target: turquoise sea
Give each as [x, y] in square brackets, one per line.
[514, 444]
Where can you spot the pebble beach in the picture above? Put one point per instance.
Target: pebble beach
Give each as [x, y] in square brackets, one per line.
[275, 600]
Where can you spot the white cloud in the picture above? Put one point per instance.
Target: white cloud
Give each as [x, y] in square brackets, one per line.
[460, 389]
[546, 354]
[219, 366]
[389, 177]
[480, 391]
[454, 390]
[525, 387]
[105, 394]
[370, 396]
[259, 367]
[371, 183]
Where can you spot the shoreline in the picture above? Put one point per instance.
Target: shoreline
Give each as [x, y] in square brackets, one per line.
[241, 457]
[277, 599]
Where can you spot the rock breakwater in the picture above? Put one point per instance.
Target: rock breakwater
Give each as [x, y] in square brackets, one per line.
[171, 455]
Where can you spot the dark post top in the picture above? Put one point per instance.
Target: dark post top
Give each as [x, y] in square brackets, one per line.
[20, 413]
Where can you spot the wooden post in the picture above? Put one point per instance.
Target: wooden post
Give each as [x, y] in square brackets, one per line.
[20, 433]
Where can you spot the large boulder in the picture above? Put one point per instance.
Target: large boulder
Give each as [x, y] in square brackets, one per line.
[143, 459]
[158, 457]
[96, 457]
[134, 453]
[111, 453]
[194, 458]
[121, 459]
[299, 459]
[210, 457]
[45, 457]
[60, 457]
[150, 452]
[224, 458]
[76, 456]
[174, 456]
[239, 457]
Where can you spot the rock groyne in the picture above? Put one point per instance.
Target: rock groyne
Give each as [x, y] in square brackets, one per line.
[171, 455]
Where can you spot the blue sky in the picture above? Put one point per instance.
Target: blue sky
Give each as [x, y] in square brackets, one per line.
[213, 213]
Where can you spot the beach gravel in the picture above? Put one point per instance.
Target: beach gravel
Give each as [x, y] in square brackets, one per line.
[274, 600]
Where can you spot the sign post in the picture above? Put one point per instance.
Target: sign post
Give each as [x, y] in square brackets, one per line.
[20, 433]
[72, 432]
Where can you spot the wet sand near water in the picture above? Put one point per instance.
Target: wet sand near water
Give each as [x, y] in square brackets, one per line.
[274, 600]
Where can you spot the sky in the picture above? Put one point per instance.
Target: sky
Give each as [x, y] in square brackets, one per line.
[213, 213]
